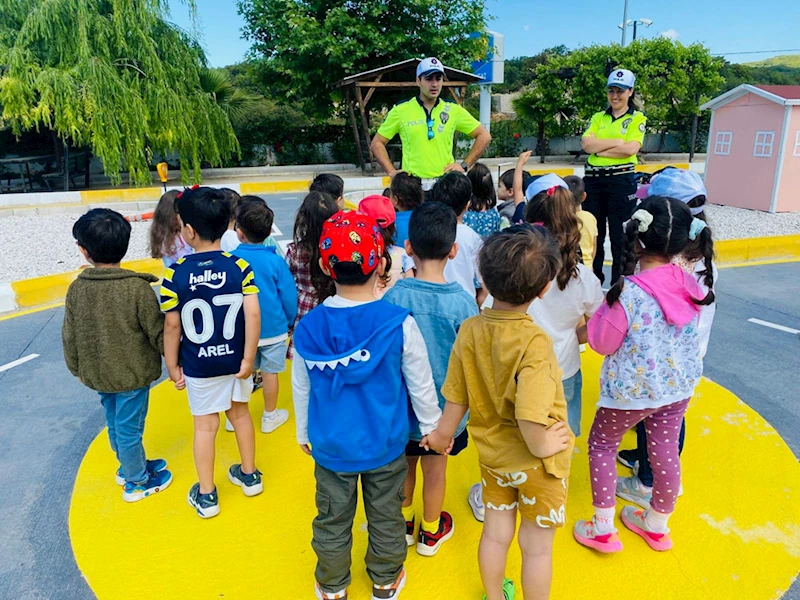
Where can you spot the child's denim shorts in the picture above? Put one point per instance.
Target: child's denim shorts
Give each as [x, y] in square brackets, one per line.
[272, 358]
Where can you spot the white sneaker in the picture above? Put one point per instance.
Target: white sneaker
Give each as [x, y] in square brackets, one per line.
[268, 425]
[228, 424]
[475, 500]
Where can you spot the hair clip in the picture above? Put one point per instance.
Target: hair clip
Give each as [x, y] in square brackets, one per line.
[696, 227]
[552, 190]
[643, 218]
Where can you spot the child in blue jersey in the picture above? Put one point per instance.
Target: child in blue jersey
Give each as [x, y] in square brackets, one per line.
[357, 362]
[211, 334]
[277, 297]
[439, 309]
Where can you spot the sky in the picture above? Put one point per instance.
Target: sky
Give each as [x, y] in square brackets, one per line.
[727, 27]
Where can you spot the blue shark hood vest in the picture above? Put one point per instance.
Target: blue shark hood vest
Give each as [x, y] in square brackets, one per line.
[358, 404]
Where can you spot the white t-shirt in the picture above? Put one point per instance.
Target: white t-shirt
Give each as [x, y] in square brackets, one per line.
[559, 313]
[229, 241]
[463, 269]
[706, 312]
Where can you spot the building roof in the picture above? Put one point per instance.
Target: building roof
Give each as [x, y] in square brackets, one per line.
[409, 65]
[785, 95]
[789, 92]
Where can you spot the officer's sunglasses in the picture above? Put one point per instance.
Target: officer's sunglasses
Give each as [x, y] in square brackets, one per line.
[430, 129]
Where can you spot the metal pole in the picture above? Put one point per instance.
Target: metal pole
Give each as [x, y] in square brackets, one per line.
[624, 23]
[486, 106]
[634, 31]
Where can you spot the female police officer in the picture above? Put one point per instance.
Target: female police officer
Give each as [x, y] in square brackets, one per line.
[612, 141]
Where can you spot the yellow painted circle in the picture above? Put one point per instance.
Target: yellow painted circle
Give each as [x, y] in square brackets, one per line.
[736, 529]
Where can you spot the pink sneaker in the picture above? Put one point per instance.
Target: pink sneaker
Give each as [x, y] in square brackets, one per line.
[634, 520]
[586, 535]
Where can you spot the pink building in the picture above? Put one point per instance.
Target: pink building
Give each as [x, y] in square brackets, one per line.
[753, 157]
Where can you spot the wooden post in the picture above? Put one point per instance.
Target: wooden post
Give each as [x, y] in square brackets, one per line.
[365, 126]
[355, 132]
[372, 91]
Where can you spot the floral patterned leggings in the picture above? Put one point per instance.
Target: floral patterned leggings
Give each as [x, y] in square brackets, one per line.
[663, 427]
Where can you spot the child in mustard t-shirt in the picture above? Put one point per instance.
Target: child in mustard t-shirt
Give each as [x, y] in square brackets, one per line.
[504, 370]
[587, 219]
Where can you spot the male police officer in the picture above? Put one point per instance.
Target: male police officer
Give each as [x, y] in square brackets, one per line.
[427, 125]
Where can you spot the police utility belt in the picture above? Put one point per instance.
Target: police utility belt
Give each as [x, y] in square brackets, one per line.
[609, 170]
[427, 184]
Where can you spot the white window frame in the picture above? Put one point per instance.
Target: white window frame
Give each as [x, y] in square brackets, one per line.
[723, 142]
[797, 143]
[765, 141]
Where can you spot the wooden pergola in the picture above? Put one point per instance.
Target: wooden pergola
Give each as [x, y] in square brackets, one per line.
[360, 88]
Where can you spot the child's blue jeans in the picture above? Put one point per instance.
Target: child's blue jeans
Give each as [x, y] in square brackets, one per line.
[573, 387]
[125, 413]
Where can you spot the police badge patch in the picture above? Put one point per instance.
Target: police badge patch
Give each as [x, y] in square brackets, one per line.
[444, 117]
[641, 127]
[625, 124]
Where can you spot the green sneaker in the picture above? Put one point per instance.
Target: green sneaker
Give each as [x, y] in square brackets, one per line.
[509, 592]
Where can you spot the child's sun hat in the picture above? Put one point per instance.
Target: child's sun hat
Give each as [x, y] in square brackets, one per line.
[351, 237]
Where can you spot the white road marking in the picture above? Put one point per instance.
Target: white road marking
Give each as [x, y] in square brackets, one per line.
[276, 232]
[774, 326]
[18, 362]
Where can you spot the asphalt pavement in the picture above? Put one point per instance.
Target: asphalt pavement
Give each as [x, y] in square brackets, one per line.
[49, 418]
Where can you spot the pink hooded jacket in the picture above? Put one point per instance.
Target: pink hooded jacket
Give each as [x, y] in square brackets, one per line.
[650, 340]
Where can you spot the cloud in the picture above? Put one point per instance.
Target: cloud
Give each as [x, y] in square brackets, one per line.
[670, 34]
[526, 27]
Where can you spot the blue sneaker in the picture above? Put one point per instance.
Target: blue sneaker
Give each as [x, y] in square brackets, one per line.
[132, 492]
[251, 483]
[206, 505]
[154, 466]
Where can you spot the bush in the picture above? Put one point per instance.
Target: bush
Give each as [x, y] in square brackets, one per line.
[506, 139]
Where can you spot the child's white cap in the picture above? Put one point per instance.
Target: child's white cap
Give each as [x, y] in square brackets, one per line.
[545, 182]
[679, 184]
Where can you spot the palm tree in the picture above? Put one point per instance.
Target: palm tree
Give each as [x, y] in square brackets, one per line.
[235, 102]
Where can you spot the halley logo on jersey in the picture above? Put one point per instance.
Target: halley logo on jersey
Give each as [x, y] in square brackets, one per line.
[208, 279]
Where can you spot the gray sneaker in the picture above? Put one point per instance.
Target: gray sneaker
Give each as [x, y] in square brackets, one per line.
[206, 505]
[632, 490]
[250, 483]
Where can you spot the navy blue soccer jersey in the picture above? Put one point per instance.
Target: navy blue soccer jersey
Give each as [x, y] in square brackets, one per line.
[209, 289]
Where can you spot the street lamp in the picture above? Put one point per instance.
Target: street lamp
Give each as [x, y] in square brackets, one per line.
[634, 23]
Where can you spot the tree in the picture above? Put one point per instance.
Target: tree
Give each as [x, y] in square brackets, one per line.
[114, 76]
[235, 102]
[520, 72]
[672, 79]
[307, 45]
[547, 107]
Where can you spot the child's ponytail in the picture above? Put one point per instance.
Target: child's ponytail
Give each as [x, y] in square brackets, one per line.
[700, 234]
[629, 259]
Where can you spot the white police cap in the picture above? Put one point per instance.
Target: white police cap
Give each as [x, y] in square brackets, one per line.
[621, 78]
[429, 65]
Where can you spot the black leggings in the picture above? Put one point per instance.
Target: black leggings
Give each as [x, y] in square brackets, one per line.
[610, 198]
